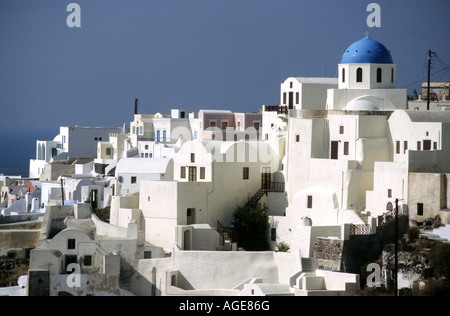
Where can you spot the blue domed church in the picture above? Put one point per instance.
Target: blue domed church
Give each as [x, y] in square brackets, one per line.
[367, 80]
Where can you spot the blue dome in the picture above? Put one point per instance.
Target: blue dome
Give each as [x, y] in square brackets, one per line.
[367, 51]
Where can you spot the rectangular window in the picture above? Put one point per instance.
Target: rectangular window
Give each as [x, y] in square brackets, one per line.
[297, 138]
[341, 130]
[246, 173]
[108, 151]
[133, 180]
[419, 146]
[87, 261]
[346, 146]
[256, 125]
[71, 243]
[284, 98]
[435, 145]
[420, 209]
[224, 124]
[389, 193]
[202, 173]
[297, 98]
[192, 158]
[310, 201]
[164, 136]
[405, 147]
[273, 234]
[397, 150]
[183, 173]
[212, 123]
[158, 136]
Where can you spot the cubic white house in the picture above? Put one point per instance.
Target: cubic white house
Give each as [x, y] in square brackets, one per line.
[330, 162]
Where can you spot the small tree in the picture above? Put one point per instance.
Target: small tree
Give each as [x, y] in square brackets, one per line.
[439, 260]
[251, 222]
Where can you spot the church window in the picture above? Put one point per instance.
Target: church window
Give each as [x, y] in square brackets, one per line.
[71, 244]
[359, 75]
[379, 74]
[392, 75]
[310, 201]
[343, 74]
[246, 173]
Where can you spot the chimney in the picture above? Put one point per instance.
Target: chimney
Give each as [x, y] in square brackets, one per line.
[135, 106]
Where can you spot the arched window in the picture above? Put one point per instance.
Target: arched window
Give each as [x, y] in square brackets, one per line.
[379, 74]
[359, 75]
[343, 74]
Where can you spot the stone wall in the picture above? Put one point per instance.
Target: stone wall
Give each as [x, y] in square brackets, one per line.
[328, 253]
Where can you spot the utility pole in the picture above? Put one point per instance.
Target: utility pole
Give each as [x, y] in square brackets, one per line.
[396, 250]
[62, 191]
[429, 78]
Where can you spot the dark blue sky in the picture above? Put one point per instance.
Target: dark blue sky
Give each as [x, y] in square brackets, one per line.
[192, 54]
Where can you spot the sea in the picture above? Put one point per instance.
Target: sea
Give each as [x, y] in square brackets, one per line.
[18, 146]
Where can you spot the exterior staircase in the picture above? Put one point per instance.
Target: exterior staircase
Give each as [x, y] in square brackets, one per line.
[309, 265]
[266, 188]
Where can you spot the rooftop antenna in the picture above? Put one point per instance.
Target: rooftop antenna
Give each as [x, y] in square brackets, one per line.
[135, 106]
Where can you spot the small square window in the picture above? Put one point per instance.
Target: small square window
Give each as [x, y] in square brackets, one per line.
[133, 180]
[87, 261]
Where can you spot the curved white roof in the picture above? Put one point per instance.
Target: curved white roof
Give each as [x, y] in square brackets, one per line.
[429, 116]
